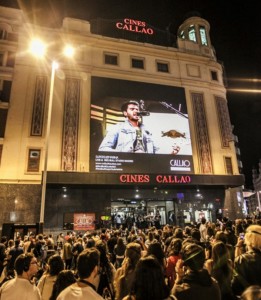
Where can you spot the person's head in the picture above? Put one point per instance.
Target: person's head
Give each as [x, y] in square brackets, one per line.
[26, 263]
[132, 254]
[17, 243]
[221, 236]
[130, 110]
[175, 247]
[87, 261]
[195, 234]
[149, 280]
[102, 247]
[178, 233]
[193, 256]
[253, 237]
[156, 250]
[220, 253]
[203, 220]
[253, 292]
[55, 264]
[64, 279]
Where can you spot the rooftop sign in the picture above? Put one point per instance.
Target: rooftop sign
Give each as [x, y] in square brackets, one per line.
[134, 26]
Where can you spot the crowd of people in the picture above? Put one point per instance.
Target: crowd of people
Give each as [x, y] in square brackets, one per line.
[217, 261]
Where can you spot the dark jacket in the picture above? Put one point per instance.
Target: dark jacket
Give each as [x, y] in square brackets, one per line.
[247, 271]
[197, 286]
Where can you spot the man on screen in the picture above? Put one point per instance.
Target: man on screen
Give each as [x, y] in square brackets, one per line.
[131, 135]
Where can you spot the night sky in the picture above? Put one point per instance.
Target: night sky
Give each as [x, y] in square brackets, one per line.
[235, 33]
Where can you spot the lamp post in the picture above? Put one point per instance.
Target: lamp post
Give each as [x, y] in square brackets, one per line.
[38, 49]
[47, 137]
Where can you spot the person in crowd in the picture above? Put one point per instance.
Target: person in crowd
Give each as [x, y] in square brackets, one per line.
[148, 281]
[125, 274]
[221, 236]
[247, 266]
[220, 267]
[173, 255]
[88, 271]
[67, 253]
[203, 230]
[77, 248]
[193, 281]
[107, 271]
[253, 292]
[150, 239]
[156, 250]
[131, 135]
[21, 287]
[112, 241]
[12, 255]
[30, 244]
[3, 244]
[64, 279]
[119, 251]
[40, 250]
[54, 267]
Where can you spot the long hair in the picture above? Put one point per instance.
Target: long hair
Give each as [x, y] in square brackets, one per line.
[220, 257]
[104, 259]
[64, 279]
[132, 256]
[149, 280]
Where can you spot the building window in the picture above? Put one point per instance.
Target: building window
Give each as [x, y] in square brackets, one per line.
[10, 59]
[137, 63]
[3, 118]
[228, 163]
[111, 59]
[182, 35]
[203, 36]
[163, 67]
[192, 33]
[1, 151]
[5, 90]
[1, 59]
[214, 75]
[3, 34]
[33, 160]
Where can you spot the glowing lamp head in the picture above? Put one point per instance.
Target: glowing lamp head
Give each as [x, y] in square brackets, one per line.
[37, 48]
[68, 51]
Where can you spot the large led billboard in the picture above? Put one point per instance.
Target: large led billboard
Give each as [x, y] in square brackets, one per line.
[150, 134]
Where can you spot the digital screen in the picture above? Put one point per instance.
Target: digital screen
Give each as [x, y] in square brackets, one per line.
[159, 143]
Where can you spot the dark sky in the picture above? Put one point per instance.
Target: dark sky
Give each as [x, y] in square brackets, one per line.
[235, 33]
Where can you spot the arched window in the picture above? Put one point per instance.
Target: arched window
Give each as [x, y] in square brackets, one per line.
[203, 35]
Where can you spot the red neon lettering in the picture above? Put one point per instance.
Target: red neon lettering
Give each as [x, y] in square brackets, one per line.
[119, 25]
[134, 178]
[134, 26]
[173, 179]
[123, 178]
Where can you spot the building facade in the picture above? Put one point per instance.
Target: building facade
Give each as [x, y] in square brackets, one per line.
[180, 88]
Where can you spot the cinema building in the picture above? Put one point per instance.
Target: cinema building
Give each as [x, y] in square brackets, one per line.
[53, 121]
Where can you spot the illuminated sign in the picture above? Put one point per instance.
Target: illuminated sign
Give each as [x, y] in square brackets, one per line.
[134, 26]
[159, 142]
[84, 221]
[143, 178]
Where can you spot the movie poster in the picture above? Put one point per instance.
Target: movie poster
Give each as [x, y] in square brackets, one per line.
[84, 221]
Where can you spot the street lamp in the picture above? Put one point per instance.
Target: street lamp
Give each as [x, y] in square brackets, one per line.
[38, 49]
